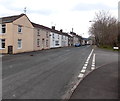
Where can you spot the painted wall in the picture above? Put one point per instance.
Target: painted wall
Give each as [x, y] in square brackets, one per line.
[44, 35]
[12, 35]
[55, 40]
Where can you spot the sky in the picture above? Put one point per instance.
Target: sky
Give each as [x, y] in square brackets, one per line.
[63, 14]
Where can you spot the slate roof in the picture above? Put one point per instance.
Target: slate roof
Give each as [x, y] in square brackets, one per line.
[49, 29]
[10, 19]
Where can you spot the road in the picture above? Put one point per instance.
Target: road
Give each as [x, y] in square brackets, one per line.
[42, 75]
[48, 74]
[102, 83]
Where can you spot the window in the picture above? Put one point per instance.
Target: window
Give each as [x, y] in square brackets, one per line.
[65, 37]
[19, 43]
[2, 43]
[62, 36]
[46, 43]
[38, 32]
[47, 35]
[53, 35]
[38, 42]
[19, 28]
[56, 43]
[3, 28]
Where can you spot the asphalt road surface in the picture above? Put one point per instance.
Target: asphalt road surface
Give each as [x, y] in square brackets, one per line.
[42, 75]
[102, 83]
[50, 74]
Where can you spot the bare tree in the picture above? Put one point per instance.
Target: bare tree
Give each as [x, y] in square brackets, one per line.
[105, 29]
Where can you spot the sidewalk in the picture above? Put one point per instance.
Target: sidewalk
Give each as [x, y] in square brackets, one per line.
[102, 83]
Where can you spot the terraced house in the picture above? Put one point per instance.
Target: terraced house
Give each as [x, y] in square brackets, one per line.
[41, 37]
[58, 38]
[16, 34]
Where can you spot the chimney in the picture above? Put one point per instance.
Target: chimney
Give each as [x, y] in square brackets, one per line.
[72, 29]
[61, 30]
[53, 27]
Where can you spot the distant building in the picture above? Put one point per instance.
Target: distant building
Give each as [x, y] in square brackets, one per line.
[76, 38]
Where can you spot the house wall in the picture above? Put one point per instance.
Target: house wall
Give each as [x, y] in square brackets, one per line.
[75, 40]
[12, 35]
[64, 40]
[43, 37]
[8, 36]
[53, 38]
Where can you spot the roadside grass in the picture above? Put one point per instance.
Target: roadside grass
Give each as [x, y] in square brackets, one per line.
[108, 47]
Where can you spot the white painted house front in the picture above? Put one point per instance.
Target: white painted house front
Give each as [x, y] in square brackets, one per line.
[58, 38]
[55, 40]
[64, 40]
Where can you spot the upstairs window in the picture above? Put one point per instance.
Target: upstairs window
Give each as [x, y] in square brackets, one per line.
[19, 28]
[3, 28]
[62, 36]
[38, 32]
[47, 35]
[2, 43]
[53, 35]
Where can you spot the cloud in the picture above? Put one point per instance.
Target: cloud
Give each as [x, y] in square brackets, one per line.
[64, 14]
[88, 7]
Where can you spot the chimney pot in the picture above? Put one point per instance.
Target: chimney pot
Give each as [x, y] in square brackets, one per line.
[53, 27]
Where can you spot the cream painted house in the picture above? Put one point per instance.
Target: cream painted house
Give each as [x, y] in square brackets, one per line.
[41, 37]
[16, 34]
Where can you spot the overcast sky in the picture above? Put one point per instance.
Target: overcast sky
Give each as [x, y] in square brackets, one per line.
[64, 14]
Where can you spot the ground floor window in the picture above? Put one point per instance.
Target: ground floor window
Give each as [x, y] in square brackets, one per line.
[46, 43]
[56, 43]
[38, 42]
[2, 43]
[19, 43]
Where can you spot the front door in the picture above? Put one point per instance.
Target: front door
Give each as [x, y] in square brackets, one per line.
[43, 43]
[10, 49]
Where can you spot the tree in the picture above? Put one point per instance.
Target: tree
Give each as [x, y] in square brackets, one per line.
[105, 29]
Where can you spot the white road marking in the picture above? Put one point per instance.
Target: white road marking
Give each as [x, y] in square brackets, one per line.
[93, 63]
[92, 68]
[83, 71]
[80, 75]
[85, 65]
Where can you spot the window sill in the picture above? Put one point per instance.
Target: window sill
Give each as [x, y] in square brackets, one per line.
[19, 32]
[2, 48]
[2, 33]
[19, 48]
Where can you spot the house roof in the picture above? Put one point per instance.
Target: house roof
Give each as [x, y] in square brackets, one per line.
[40, 26]
[49, 29]
[10, 18]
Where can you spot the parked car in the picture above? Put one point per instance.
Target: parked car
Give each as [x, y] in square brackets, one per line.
[77, 45]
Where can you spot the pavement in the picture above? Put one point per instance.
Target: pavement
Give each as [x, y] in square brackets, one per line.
[101, 83]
